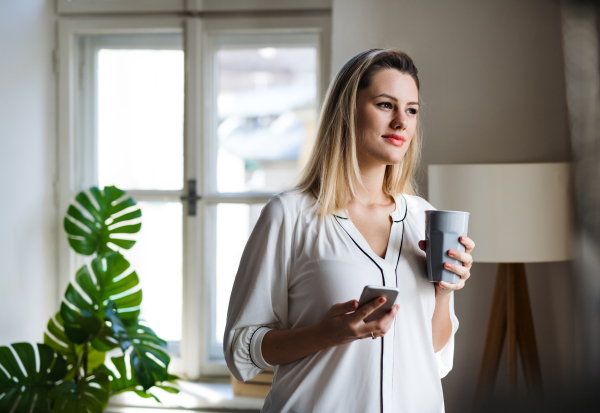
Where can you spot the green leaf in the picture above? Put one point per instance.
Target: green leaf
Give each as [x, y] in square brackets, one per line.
[117, 326]
[127, 217]
[123, 243]
[169, 389]
[84, 314]
[26, 390]
[56, 338]
[91, 228]
[89, 395]
[122, 383]
[127, 229]
[149, 357]
[146, 395]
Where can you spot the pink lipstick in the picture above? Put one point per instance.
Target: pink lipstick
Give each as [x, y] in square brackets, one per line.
[394, 139]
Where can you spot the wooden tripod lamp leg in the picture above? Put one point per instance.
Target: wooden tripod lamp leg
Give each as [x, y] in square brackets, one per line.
[526, 335]
[511, 334]
[510, 315]
[494, 338]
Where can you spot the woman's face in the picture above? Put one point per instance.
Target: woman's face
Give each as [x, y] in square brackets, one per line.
[386, 118]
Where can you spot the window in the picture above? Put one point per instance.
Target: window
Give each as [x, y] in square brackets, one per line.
[159, 107]
[265, 95]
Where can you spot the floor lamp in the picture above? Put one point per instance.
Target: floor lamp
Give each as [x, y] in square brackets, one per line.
[519, 213]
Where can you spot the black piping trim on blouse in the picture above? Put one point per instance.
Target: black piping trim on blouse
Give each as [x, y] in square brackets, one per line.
[399, 254]
[381, 376]
[396, 272]
[250, 345]
[405, 212]
[363, 251]
[383, 279]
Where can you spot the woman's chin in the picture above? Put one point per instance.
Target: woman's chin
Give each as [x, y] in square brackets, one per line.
[384, 158]
[394, 160]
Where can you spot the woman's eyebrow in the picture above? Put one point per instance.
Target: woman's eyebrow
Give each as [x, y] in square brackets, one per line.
[394, 99]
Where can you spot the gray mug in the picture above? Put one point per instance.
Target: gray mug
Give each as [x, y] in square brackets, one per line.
[443, 230]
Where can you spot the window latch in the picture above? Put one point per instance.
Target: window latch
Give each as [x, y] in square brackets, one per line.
[192, 197]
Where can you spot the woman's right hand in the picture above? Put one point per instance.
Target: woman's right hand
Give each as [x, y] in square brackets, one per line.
[344, 323]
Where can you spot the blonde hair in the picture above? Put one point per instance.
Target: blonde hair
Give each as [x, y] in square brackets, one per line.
[332, 173]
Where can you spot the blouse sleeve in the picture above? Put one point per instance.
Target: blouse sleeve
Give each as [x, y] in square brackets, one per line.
[445, 357]
[258, 300]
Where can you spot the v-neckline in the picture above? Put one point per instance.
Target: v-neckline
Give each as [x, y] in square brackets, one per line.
[392, 248]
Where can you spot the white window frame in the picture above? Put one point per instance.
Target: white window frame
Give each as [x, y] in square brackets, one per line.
[189, 6]
[195, 362]
[216, 35]
[71, 178]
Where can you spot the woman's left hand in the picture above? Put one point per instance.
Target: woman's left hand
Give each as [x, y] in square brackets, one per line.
[463, 271]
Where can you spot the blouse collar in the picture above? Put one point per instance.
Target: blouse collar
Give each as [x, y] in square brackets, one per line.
[398, 215]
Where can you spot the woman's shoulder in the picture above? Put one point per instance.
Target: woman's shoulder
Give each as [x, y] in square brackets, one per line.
[415, 203]
[291, 203]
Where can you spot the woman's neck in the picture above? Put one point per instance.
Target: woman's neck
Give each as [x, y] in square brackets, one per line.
[372, 190]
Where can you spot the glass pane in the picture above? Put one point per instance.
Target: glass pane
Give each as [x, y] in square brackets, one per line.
[234, 225]
[267, 111]
[157, 259]
[140, 118]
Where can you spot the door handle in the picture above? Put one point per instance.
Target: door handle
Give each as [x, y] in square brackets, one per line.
[192, 197]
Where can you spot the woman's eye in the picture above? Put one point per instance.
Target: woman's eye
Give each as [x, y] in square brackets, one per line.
[412, 111]
[382, 104]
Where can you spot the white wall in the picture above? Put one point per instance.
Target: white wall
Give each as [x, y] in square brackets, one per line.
[27, 165]
[493, 86]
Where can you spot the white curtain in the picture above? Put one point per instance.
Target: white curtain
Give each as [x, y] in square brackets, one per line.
[581, 46]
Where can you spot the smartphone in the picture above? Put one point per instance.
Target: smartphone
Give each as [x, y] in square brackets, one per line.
[371, 292]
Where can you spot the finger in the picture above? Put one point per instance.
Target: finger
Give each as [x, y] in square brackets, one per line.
[364, 311]
[444, 286]
[422, 244]
[459, 270]
[465, 258]
[387, 319]
[468, 243]
[381, 326]
[343, 308]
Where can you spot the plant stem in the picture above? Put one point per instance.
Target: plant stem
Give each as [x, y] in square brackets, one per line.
[76, 379]
[85, 359]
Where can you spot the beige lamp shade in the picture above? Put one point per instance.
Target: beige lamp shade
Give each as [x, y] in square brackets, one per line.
[518, 212]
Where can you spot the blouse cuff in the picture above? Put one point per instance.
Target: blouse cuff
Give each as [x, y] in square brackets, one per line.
[245, 352]
[256, 347]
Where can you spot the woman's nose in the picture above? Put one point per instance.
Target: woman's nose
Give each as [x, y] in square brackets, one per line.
[399, 122]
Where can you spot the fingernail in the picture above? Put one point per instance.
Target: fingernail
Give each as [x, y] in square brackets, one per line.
[451, 252]
[382, 300]
[443, 284]
[447, 265]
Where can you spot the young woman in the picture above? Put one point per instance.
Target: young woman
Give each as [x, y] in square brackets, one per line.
[353, 220]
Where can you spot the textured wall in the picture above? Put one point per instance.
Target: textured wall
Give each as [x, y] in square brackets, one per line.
[27, 169]
[493, 90]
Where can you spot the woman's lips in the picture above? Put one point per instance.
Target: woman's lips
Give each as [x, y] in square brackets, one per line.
[394, 139]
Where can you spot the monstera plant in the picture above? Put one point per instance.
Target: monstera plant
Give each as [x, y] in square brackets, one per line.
[99, 314]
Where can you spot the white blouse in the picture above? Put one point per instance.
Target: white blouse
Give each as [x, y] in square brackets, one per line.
[294, 268]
